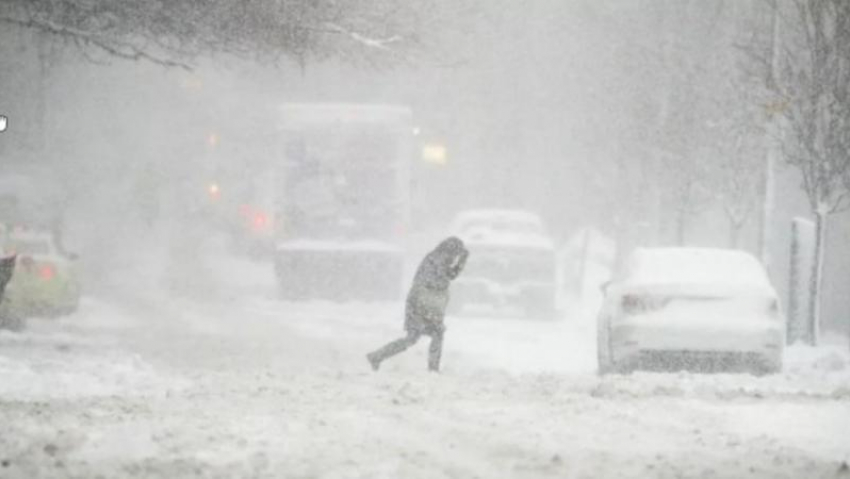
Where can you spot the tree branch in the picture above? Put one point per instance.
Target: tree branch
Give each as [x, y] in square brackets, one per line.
[122, 50]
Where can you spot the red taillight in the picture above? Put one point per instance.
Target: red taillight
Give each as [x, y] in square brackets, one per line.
[46, 272]
[260, 221]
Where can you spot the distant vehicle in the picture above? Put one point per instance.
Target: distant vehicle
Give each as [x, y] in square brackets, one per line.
[253, 231]
[244, 210]
[45, 281]
[691, 308]
[512, 263]
[342, 203]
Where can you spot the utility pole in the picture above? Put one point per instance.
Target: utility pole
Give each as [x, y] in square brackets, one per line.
[770, 160]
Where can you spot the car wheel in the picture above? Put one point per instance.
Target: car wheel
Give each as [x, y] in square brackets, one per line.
[12, 322]
[770, 365]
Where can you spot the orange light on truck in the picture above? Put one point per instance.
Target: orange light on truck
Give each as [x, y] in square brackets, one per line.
[260, 221]
[214, 190]
[434, 153]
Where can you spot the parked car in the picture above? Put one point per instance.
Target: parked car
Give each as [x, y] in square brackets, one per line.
[45, 280]
[512, 263]
[691, 308]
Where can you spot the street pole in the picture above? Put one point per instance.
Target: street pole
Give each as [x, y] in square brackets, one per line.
[770, 160]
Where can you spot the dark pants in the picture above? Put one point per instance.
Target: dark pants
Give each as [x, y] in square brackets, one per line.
[413, 335]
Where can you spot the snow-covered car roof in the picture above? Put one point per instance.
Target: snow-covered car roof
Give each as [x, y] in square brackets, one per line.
[706, 270]
[509, 228]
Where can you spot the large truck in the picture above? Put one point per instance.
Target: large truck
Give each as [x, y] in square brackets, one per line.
[342, 201]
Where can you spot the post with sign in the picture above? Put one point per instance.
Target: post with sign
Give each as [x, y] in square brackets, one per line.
[800, 277]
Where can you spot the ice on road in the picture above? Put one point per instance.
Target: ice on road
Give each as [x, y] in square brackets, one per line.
[152, 386]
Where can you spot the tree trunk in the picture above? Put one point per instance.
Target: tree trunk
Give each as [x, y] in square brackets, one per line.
[817, 278]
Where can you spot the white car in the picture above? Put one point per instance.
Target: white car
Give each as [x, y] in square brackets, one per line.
[691, 308]
[511, 266]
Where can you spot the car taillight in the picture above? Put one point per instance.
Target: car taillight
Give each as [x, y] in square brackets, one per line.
[260, 221]
[46, 272]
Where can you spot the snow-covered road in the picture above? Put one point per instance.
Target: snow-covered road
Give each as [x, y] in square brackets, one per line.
[247, 386]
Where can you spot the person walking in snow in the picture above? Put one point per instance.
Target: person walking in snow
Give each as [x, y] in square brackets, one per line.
[7, 319]
[426, 303]
[7, 266]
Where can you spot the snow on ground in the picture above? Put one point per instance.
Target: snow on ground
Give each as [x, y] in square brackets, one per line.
[239, 384]
[73, 358]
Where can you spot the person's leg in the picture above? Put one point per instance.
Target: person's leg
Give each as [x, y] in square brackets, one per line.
[435, 351]
[393, 348]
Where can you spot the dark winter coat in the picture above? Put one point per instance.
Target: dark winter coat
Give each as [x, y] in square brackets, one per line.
[429, 295]
[7, 266]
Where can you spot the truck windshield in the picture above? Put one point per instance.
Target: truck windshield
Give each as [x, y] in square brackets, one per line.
[342, 181]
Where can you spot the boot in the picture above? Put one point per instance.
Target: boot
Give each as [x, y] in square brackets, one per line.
[373, 361]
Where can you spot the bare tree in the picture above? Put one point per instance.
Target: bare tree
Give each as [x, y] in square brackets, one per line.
[681, 138]
[737, 169]
[685, 190]
[809, 77]
[173, 33]
[737, 186]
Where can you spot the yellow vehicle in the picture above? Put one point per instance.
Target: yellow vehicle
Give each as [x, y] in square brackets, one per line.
[45, 280]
